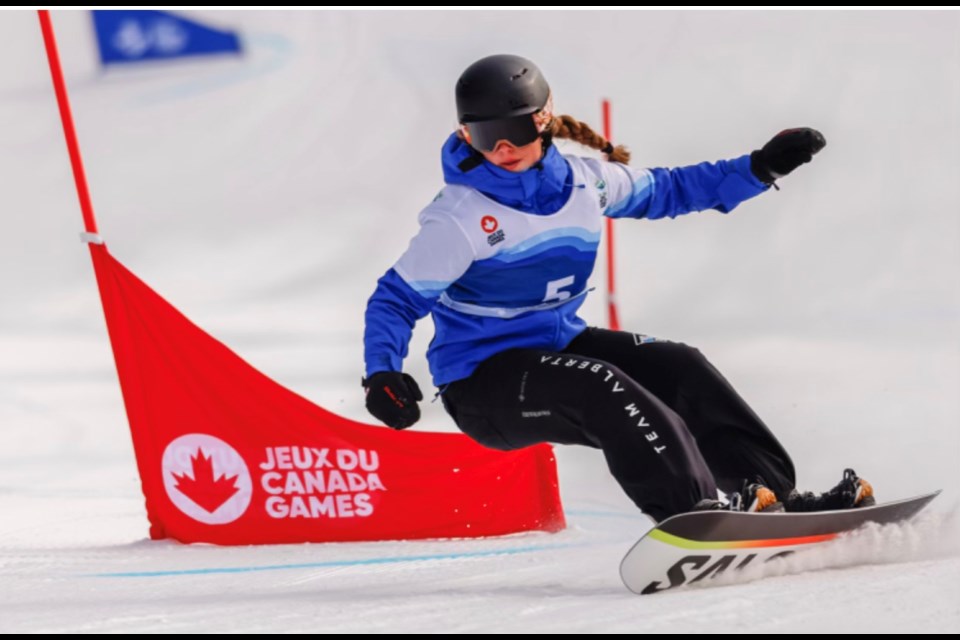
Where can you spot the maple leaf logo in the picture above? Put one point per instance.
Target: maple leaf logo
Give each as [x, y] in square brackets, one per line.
[207, 491]
[489, 224]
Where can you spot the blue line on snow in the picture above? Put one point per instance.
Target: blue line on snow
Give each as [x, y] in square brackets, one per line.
[636, 515]
[334, 563]
[280, 48]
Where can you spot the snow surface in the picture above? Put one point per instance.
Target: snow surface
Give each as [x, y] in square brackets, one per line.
[264, 196]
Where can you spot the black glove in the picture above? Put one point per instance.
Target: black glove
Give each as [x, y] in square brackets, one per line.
[392, 398]
[785, 152]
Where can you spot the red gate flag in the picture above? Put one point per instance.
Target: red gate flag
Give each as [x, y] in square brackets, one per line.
[228, 456]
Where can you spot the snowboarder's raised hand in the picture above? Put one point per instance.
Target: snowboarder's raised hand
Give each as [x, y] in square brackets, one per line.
[785, 152]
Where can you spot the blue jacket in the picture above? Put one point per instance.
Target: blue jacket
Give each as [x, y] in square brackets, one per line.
[502, 259]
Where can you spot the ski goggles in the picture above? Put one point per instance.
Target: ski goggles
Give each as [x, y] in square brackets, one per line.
[517, 130]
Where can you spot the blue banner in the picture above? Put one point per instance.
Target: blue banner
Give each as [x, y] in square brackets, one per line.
[132, 36]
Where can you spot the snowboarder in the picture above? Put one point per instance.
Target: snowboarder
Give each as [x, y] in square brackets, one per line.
[501, 261]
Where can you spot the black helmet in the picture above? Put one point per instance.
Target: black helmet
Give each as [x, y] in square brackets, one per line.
[496, 97]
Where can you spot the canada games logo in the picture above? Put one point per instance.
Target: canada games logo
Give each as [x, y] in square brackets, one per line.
[206, 479]
[490, 226]
[134, 38]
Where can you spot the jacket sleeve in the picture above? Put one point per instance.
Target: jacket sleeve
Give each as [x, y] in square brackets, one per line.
[668, 193]
[436, 257]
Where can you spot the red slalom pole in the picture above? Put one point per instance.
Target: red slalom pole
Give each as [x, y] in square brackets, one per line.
[612, 315]
[69, 131]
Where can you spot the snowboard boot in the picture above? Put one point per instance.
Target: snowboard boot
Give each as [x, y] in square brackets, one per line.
[852, 492]
[754, 497]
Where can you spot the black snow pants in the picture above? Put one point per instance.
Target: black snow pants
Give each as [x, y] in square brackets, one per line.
[671, 427]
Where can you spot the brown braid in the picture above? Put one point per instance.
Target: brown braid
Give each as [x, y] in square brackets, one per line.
[572, 129]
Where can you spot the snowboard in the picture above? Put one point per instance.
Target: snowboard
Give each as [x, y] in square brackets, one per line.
[691, 547]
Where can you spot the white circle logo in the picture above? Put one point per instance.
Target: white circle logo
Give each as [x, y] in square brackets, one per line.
[206, 478]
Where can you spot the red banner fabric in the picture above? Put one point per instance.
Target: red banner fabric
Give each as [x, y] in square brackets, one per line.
[228, 456]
